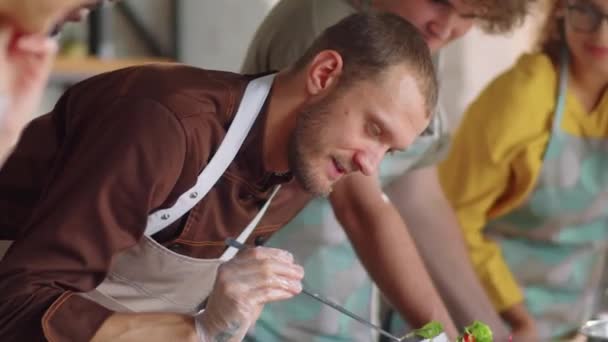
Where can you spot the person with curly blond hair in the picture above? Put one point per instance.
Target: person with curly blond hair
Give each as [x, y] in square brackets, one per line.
[527, 176]
[359, 231]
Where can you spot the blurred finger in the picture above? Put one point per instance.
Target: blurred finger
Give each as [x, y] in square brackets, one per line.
[261, 269]
[254, 278]
[253, 281]
[292, 286]
[267, 274]
[264, 296]
[272, 267]
[261, 253]
[78, 14]
[36, 44]
[32, 68]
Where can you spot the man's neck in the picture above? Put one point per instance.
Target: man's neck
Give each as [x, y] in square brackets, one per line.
[285, 98]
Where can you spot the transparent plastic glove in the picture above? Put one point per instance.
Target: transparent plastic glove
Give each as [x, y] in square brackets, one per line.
[256, 276]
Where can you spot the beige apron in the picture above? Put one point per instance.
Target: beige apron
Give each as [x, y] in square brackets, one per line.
[151, 278]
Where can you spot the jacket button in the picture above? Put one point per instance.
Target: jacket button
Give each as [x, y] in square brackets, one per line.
[176, 247]
[259, 240]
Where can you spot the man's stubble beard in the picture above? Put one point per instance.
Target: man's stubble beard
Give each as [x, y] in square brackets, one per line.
[306, 146]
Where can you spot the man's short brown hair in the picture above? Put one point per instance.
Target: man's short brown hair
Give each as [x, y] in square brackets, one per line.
[371, 42]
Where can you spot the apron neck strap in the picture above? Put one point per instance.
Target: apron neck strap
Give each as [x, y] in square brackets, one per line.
[562, 89]
[252, 103]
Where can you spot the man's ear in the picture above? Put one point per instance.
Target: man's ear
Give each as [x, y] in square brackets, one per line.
[323, 71]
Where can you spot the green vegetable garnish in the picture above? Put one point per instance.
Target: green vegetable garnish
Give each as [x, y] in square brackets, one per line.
[429, 330]
[479, 331]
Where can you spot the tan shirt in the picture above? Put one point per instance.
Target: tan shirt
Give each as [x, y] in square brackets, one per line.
[84, 178]
[289, 29]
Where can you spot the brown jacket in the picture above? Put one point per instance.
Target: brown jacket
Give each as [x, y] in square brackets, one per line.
[84, 178]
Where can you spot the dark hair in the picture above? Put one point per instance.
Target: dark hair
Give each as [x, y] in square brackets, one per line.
[551, 37]
[369, 43]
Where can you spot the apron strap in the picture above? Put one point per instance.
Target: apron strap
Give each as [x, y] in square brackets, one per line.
[560, 103]
[562, 90]
[253, 100]
[231, 251]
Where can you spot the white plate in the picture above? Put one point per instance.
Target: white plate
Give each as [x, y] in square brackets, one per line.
[440, 338]
[597, 329]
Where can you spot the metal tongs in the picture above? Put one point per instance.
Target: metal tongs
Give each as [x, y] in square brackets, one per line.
[234, 243]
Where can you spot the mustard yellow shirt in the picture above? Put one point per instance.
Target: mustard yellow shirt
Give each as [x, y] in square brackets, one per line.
[497, 154]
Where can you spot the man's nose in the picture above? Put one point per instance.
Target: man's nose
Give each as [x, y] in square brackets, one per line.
[442, 28]
[368, 162]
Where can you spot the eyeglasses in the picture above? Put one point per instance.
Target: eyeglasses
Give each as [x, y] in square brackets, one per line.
[585, 17]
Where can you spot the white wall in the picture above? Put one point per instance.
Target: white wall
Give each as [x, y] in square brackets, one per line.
[469, 64]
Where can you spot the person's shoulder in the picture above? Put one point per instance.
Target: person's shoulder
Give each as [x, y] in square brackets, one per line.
[200, 104]
[327, 13]
[515, 107]
[316, 14]
[524, 92]
[288, 22]
[289, 29]
[537, 68]
[531, 80]
[201, 101]
[187, 91]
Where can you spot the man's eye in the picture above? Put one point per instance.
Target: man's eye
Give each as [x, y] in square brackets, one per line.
[374, 130]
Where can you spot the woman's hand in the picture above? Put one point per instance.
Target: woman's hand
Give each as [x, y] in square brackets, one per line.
[522, 323]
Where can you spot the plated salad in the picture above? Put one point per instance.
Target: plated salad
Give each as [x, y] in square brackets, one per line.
[476, 332]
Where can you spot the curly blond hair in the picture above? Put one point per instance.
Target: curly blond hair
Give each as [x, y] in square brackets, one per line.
[500, 16]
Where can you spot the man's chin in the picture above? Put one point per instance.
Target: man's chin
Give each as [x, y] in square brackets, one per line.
[319, 192]
[325, 193]
[315, 189]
